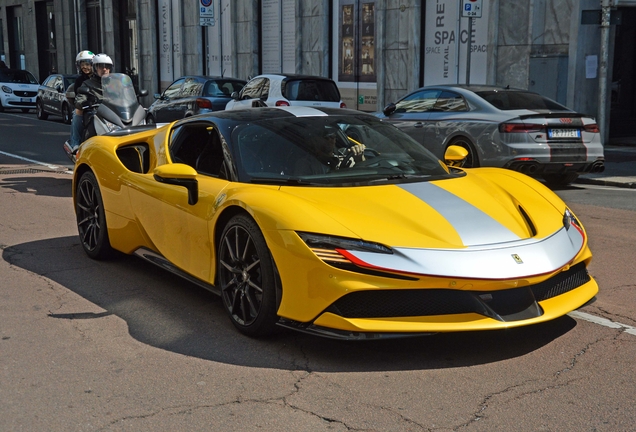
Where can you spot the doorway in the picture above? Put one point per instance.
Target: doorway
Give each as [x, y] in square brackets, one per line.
[623, 90]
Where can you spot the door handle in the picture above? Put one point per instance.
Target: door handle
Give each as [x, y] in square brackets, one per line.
[418, 124]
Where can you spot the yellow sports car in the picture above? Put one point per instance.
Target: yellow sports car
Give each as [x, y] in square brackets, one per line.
[332, 222]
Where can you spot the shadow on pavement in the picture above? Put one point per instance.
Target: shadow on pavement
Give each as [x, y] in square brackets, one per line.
[169, 313]
[43, 186]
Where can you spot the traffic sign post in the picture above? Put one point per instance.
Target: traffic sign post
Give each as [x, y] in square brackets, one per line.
[470, 9]
[206, 13]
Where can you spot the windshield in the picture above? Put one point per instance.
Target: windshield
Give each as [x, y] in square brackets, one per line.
[515, 100]
[222, 88]
[17, 76]
[332, 150]
[311, 90]
[118, 91]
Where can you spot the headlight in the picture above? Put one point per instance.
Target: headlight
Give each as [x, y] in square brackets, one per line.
[328, 248]
[7, 89]
[569, 219]
[110, 126]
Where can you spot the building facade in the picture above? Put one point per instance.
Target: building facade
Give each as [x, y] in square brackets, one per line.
[575, 52]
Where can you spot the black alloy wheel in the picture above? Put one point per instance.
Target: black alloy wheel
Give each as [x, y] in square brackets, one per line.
[471, 160]
[67, 113]
[39, 110]
[91, 218]
[246, 277]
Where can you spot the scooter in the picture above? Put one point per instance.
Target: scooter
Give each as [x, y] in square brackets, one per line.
[119, 110]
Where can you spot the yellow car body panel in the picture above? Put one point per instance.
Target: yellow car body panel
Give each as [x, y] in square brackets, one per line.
[144, 213]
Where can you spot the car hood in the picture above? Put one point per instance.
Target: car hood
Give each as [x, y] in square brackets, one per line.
[468, 226]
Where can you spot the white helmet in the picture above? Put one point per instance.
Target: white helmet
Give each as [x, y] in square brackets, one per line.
[102, 59]
[83, 56]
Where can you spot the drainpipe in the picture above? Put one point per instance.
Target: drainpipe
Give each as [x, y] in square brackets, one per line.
[602, 73]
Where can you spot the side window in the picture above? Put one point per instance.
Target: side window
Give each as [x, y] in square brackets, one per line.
[58, 83]
[199, 145]
[49, 81]
[174, 89]
[450, 101]
[135, 157]
[191, 87]
[252, 89]
[418, 102]
[264, 93]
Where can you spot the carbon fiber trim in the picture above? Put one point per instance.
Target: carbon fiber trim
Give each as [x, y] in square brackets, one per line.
[504, 305]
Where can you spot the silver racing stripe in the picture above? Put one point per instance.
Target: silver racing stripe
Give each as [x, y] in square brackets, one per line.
[303, 111]
[473, 225]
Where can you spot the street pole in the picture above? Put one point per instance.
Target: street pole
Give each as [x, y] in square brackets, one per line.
[468, 49]
[602, 73]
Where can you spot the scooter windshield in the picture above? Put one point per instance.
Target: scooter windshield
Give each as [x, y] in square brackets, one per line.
[119, 94]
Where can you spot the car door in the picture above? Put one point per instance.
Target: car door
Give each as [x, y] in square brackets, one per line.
[57, 95]
[165, 106]
[251, 94]
[182, 232]
[48, 87]
[411, 113]
[447, 117]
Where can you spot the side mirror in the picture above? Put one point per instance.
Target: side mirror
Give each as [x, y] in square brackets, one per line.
[179, 174]
[143, 93]
[235, 95]
[157, 96]
[389, 109]
[455, 156]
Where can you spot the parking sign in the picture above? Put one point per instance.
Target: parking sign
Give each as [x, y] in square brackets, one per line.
[206, 13]
[471, 8]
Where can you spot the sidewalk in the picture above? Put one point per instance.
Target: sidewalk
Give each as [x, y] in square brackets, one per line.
[620, 165]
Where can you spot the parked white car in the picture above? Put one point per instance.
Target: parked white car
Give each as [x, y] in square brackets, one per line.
[287, 90]
[18, 89]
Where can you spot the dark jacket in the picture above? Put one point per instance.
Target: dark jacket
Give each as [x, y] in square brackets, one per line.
[70, 92]
[94, 86]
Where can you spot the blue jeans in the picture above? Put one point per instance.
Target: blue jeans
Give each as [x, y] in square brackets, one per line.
[77, 128]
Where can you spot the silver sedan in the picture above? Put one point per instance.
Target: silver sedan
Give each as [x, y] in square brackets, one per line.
[502, 127]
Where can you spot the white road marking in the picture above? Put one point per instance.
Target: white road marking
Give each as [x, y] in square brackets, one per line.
[603, 321]
[31, 160]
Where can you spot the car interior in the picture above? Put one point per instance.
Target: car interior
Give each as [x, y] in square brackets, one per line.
[199, 145]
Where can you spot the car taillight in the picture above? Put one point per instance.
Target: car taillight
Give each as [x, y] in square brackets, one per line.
[204, 103]
[343, 105]
[592, 128]
[520, 127]
[282, 103]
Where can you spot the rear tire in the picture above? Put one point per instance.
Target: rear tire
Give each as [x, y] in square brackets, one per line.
[471, 161]
[91, 218]
[560, 180]
[39, 111]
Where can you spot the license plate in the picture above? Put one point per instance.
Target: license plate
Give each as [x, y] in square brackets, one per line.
[564, 133]
[25, 100]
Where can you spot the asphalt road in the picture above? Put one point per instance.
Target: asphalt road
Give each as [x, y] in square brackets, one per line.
[123, 346]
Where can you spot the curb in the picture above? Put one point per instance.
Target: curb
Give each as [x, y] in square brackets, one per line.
[610, 181]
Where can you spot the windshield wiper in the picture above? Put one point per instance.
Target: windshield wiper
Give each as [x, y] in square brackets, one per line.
[281, 181]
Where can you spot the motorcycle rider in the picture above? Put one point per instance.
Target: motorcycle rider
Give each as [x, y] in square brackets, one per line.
[84, 65]
[102, 66]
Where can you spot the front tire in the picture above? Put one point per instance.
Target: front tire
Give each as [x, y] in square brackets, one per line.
[246, 277]
[91, 218]
[39, 111]
[471, 161]
[150, 119]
